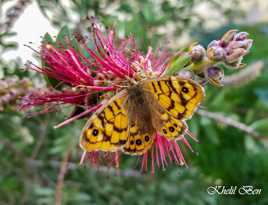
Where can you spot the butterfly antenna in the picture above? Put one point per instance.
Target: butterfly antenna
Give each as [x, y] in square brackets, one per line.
[134, 82]
[120, 86]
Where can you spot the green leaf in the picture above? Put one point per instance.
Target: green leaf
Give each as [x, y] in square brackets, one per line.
[178, 63]
[48, 39]
[7, 34]
[64, 33]
[261, 126]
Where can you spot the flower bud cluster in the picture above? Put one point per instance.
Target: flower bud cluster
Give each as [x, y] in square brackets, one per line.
[230, 49]
[12, 89]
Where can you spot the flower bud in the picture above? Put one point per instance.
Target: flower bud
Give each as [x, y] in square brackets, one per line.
[235, 55]
[213, 43]
[197, 53]
[228, 36]
[248, 44]
[214, 75]
[216, 53]
[241, 36]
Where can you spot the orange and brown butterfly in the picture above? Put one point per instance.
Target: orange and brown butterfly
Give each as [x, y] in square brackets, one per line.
[130, 120]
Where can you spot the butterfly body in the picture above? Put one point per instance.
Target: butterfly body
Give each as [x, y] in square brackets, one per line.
[140, 110]
[130, 120]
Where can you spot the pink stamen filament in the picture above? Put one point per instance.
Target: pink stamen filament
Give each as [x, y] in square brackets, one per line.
[69, 120]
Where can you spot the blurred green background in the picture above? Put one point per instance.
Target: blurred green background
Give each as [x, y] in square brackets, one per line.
[32, 151]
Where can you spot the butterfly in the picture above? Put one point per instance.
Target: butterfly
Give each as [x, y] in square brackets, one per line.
[130, 120]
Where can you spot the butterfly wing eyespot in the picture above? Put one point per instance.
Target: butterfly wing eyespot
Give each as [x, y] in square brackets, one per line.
[106, 130]
[172, 128]
[137, 143]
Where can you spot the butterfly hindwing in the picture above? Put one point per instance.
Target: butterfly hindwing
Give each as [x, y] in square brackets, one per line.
[137, 143]
[171, 128]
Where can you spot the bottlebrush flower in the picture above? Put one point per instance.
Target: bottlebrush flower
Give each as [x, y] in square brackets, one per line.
[87, 76]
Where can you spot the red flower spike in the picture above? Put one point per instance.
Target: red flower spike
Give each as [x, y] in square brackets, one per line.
[37, 97]
[163, 152]
[64, 65]
[110, 159]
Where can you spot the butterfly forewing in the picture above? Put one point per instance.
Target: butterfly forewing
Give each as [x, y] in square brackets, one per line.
[106, 130]
[109, 130]
[179, 97]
